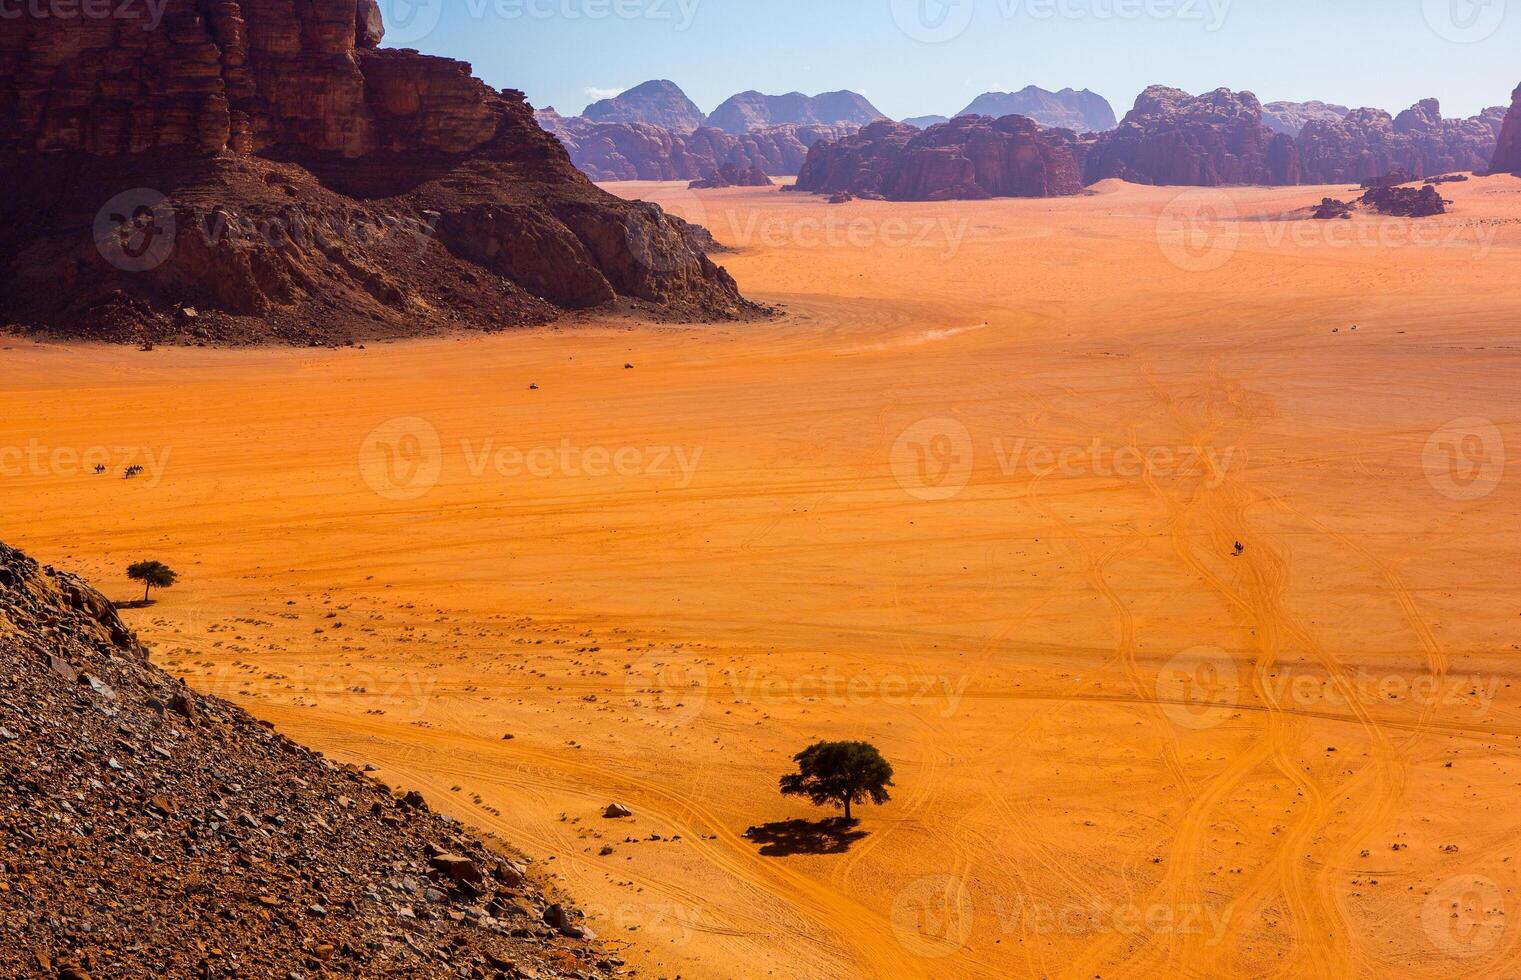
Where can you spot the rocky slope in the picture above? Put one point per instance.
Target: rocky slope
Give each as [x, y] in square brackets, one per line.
[1419, 141]
[658, 103]
[1081, 112]
[968, 158]
[750, 111]
[253, 170]
[1171, 137]
[151, 831]
[1507, 157]
[622, 151]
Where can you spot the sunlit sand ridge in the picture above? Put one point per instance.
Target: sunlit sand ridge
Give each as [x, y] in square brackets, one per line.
[976, 497]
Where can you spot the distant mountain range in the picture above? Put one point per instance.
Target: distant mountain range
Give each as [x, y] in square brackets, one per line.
[1081, 112]
[662, 103]
[654, 132]
[657, 103]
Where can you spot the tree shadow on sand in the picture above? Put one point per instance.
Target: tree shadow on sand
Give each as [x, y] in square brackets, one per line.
[136, 604]
[783, 838]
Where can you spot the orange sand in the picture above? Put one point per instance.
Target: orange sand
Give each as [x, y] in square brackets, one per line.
[914, 510]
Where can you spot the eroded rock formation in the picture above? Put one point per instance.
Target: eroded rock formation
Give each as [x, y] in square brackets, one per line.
[1289, 118]
[1369, 142]
[251, 170]
[1171, 137]
[968, 158]
[1507, 157]
[605, 151]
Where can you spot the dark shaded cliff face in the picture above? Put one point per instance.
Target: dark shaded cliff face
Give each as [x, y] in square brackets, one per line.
[971, 157]
[1081, 112]
[154, 831]
[657, 103]
[1171, 137]
[1507, 157]
[266, 168]
[1367, 143]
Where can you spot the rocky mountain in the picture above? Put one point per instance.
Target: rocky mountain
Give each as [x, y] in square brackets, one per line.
[925, 122]
[1289, 118]
[1081, 112]
[657, 103]
[969, 158]
[257, 171]
[153, 831]
[1171, 137]
[621, 151]
[1419, 141]
[749, 111]
[1507, 157]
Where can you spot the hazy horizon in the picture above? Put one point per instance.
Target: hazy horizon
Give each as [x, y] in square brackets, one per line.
[932, 57]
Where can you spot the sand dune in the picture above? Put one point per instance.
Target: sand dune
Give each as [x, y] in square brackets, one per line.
[975, 497]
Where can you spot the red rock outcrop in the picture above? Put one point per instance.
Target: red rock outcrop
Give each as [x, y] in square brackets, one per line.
[266, 168]
[1171, 137]
[620, 151]
[1507, 157]
[968, 158]
[1369, 142]
[732, 175]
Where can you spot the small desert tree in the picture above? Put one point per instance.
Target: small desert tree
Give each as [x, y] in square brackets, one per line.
[839, 773]
[153, 575]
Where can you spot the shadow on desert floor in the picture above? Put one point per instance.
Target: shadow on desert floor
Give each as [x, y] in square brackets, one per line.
[784, 838]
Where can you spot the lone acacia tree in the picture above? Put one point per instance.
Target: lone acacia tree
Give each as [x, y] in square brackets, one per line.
[153, 575]
[840, 773]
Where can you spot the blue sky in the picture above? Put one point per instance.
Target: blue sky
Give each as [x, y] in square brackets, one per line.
[919, 57]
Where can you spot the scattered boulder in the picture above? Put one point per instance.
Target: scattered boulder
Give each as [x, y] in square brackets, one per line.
[615, 811]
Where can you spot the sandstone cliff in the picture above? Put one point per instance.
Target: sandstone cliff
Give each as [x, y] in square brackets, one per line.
[1507, 157]
[1419, 141]
[968, 158]
[253, 170]
[1171, 137]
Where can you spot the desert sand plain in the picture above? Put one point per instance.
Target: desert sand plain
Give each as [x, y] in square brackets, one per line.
[975, 496]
